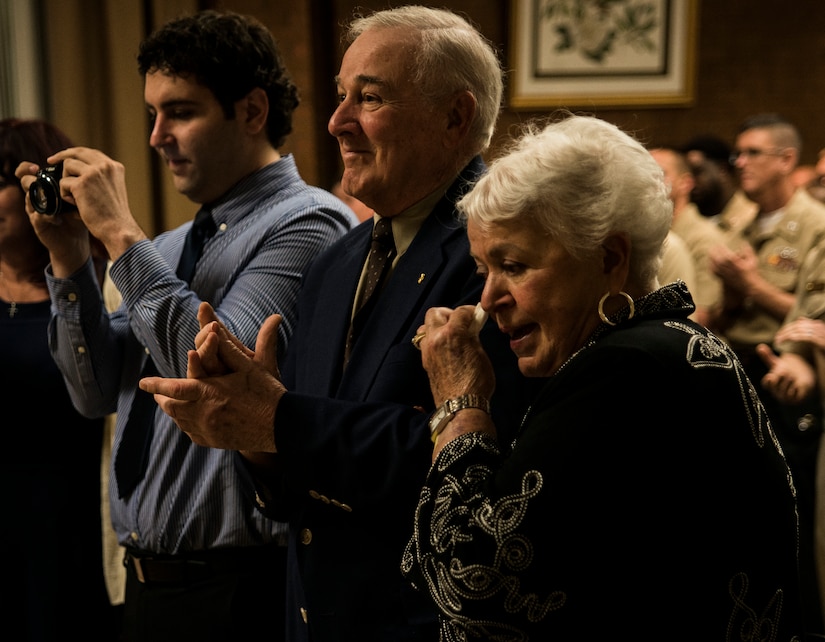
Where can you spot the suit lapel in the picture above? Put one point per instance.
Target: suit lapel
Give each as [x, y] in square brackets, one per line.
[400, 308]
[336, 292]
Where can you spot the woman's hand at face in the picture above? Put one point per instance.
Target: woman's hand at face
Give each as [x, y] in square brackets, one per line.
[456, 363]
[453, 356]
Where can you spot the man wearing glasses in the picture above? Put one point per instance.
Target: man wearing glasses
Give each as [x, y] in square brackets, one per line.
[760, 276]
[761, 271]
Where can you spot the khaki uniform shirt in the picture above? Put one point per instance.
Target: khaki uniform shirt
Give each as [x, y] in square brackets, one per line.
[701, 234]
[737, 215]
[781, 252]
[810, 298]
[810, 303]
[676, 262]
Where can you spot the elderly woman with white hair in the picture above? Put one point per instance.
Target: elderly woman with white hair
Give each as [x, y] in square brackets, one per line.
[645, 495]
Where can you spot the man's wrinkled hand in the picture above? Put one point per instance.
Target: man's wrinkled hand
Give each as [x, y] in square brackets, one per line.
[232, 410]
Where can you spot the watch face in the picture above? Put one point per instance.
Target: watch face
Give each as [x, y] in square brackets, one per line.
[439, 418]
[447, 410]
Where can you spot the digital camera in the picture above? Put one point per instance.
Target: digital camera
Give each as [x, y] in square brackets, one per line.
[45, 191]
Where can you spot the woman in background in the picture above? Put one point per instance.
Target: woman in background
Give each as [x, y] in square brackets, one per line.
[50, 477]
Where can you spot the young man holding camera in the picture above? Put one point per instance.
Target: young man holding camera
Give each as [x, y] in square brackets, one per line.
[202, 563]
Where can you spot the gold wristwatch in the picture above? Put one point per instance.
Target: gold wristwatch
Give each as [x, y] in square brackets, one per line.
[446, 411]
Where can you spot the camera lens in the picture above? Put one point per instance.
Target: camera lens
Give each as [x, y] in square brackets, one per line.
[45, 191]
[43, 198]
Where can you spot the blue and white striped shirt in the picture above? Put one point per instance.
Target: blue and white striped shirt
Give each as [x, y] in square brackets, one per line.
[192, 498]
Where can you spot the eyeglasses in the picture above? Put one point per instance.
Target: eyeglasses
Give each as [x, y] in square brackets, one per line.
[752, 152]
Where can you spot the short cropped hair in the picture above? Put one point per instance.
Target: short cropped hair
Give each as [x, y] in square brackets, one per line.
[581, 179]
[230, 54]
[784, 133]
[452, 56]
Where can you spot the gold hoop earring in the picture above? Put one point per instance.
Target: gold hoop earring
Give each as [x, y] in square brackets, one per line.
[630, 304]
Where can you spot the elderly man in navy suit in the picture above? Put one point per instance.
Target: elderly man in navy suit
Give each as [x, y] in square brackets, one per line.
[338, 443]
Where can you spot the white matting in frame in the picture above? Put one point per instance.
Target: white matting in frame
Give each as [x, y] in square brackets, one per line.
[583, 53]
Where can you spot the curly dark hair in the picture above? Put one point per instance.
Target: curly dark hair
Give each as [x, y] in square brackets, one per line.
[230, 54]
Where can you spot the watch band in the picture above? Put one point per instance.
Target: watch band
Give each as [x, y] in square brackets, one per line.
[446, 411]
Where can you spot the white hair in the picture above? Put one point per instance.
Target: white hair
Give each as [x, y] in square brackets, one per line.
[581, 179]
[451, 55]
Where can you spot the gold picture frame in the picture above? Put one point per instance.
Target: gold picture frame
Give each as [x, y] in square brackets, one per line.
[586, 53]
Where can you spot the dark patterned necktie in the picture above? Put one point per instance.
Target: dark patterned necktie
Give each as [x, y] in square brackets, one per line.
[201, 231]
[133, 452]
[382, 252]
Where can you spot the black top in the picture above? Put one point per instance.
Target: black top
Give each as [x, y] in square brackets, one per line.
[645, 497]
[42, 430]
[49, 489]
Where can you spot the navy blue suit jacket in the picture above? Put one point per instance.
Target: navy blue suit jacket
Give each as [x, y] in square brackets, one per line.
[354, 445]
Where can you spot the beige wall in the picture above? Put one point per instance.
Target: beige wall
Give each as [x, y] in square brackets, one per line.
[752, 55]
[96, 96]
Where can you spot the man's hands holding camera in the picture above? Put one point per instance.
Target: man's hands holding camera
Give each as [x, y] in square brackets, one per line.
[44, 192]
[91, 192]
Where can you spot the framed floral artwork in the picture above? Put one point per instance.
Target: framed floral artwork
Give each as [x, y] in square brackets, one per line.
[585, 53]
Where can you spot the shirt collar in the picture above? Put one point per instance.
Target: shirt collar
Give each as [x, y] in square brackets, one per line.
[254, 190]
[406, 224]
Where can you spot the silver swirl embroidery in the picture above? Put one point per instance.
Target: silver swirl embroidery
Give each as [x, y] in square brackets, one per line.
[460, 509]
[708, 351]
[453, 522]
[746, 625]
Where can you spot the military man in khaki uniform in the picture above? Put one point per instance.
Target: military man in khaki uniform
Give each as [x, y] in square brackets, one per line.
[797, 374]
[761, 281]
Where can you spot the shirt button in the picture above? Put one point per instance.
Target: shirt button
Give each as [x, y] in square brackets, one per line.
[72, 297]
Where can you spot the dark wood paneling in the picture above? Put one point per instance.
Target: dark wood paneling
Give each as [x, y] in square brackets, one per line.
[752, 56]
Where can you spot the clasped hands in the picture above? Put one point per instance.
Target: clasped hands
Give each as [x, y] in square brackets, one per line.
[735, 269]
[230, 394]
[738, 272]
[791, 378]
